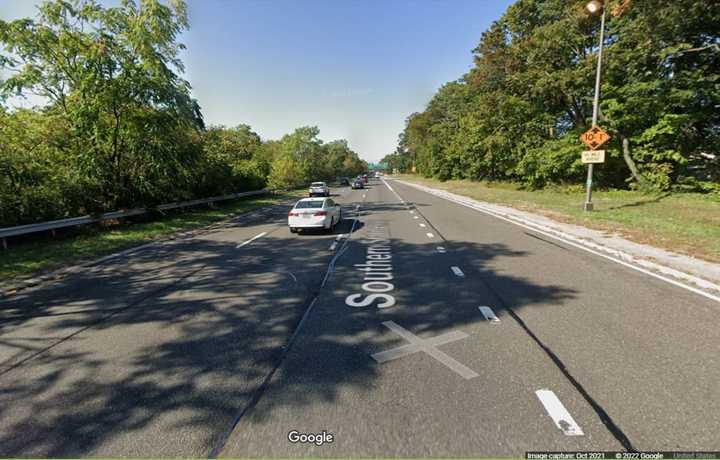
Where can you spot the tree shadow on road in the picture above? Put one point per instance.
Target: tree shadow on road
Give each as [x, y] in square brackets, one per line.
[157, 354]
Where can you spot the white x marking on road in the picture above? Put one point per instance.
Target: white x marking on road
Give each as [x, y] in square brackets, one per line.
[428, 346]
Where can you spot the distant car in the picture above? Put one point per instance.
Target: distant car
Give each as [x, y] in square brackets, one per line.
[358, 183]
[319, 189]
[344, 181]
[314, 213]
[378, 174]
[365, 176]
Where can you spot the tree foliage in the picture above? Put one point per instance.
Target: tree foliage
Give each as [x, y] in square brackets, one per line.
[518, 112]
[119, 127]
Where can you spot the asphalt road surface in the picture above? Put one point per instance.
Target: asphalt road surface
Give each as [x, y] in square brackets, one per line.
[418, 328]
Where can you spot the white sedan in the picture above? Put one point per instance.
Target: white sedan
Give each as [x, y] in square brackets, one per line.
[322, 213]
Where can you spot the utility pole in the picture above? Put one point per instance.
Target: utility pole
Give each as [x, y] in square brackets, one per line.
[593, 7]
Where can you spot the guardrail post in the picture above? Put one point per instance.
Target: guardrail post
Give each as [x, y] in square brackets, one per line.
[4, 243]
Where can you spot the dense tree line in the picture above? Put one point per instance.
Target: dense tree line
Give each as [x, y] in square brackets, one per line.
[120, 128]
[518, 113]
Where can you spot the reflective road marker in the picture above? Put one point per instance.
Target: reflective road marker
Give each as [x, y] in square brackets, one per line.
[428, 346]
[457, 271]
[558, 413]
[489, 314]
[251, 239]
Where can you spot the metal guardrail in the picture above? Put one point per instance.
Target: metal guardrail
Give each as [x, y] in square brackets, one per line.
[75, 221]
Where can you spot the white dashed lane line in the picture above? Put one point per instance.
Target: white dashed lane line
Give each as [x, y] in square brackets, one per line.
[430, 235]
[457, 271]
[333, 246]
[558, 413]
[415, 217]
[423, 225]
[441, 249]
[260, 235]
[489, 314]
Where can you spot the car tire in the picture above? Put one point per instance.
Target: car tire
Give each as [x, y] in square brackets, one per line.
[293, 230]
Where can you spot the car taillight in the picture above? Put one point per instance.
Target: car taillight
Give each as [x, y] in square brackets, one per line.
[320, 213]
[293, 214]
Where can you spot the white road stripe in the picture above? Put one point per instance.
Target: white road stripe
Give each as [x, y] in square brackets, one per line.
[423, 225]
[412, 212]
[489, 314]
[430, 235]
[457, 271]
[558, 413]
[568, 241]
[415, 217]
[364, 195]
[260, 235]
[333, 246]
[441, 249]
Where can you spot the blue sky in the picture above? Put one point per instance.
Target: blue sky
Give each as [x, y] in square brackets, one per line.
[354, 68]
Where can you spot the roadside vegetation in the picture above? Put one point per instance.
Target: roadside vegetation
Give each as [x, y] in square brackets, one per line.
[518, 113]
[39, 253]
[687, 223]
[116, 126]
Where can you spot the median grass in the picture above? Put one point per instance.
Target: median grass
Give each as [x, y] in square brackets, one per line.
[687, 223]
[40, 253]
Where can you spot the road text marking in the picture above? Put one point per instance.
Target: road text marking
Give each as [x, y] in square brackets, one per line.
[489, 314]
[428, 346]
[558, 413]
[457, 271]
[260, 235]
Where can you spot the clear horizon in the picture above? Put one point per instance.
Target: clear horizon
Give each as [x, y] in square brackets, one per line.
[355, 69]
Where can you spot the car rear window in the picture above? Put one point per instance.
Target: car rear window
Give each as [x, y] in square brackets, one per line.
[317, 184]
[309, 204]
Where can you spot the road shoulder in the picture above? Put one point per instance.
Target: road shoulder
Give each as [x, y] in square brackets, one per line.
[694, 273]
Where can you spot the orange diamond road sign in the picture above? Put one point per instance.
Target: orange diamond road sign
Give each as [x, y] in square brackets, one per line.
[595, 137]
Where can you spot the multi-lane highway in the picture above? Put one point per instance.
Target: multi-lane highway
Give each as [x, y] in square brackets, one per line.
[419, 328]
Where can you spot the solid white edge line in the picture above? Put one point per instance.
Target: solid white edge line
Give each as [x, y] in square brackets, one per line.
[557, 412]
[489, 314]
[584, 248]
[259, 235]
[457, 271]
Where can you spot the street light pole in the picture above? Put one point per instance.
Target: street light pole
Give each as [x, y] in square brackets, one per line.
[596, 103]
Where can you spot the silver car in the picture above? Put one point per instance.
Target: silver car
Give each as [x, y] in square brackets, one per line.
[319, 189]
